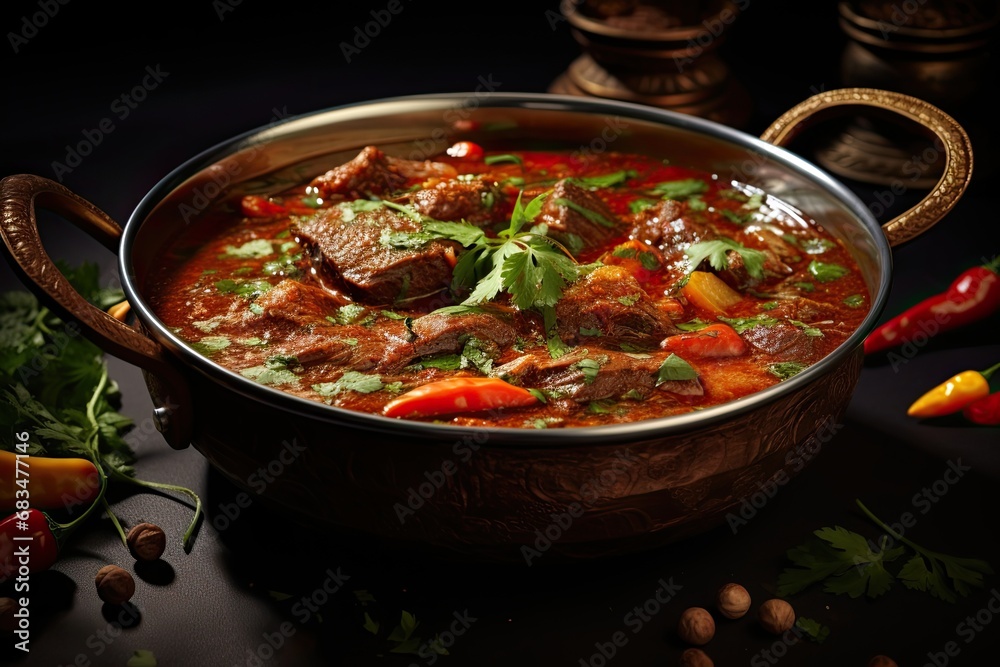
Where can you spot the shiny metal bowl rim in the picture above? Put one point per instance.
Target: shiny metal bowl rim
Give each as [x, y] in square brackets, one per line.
[510, 436]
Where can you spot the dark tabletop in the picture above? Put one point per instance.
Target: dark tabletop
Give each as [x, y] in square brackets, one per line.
[226, 67]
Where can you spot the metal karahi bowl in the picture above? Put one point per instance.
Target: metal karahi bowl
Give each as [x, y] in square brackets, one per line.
[498, 494]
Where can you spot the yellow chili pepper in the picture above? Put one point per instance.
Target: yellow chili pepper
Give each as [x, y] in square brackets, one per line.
[954, 394]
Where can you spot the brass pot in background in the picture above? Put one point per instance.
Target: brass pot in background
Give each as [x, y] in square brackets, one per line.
[662, 53]
[938, 51]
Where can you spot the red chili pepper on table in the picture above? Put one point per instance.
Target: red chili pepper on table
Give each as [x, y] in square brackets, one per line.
[984, 411]
[972, 296]
[29, 542]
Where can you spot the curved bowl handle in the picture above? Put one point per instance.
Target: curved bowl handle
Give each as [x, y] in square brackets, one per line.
[957, 149]
[19, 196]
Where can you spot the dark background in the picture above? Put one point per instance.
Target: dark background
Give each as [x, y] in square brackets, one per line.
[230, 74]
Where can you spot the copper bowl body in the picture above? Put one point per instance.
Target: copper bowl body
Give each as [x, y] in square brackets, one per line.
[495, 494]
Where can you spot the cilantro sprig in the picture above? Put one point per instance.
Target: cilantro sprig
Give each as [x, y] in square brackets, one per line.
[715, 252]
[521, 260]
[848, 564]
[55, 381]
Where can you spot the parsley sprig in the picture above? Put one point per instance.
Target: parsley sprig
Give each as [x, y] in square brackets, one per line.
[846, 563]
[715, 251]
[521, 260]
[55, 382]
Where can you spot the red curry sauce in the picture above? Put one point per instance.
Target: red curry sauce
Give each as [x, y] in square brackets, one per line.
[631, 288]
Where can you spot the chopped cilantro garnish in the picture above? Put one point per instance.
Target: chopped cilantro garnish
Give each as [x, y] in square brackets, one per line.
[349, 314]
[826, 273]
[786, 369]
[605, 180]
[497, 159]
[592, 216]
[210, 344]
[251, 249]
[694, 325]
[675, 368]
[715, 251]
[640, 205]
[854, 301]
[350, 381]
[590, 368]
[680, 188]
[741, 324]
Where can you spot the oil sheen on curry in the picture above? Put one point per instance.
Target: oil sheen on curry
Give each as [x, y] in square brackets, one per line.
[527, 289]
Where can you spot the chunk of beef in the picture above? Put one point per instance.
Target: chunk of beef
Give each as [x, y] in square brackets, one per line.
[610, 303]
[665, 227]
[783, 341]
[376, 273]
[291, 317]
[585, 375]
[577, 217]
[435, 334]
[767, 242]
[476, 201]
[372, 172]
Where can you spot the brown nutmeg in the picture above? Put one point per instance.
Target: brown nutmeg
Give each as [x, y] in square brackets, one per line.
[114, 584]
[776, 616]
[732, 601]
[146, 541]
[696, 626]
[882, 661]
[695, 657]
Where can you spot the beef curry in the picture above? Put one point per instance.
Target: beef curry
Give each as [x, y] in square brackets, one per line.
[529, 289]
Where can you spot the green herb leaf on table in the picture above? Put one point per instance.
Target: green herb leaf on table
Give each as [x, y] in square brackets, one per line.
[812, 629]
[848, 564]
[142, 658]
[55, 380]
